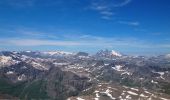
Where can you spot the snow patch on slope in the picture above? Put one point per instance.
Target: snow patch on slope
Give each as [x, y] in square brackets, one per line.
[118, 67]
[107, 92]
[7, 60]
[80, 98]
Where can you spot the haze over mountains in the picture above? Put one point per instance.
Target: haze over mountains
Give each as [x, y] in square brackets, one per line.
[106, 75]
[49, 49]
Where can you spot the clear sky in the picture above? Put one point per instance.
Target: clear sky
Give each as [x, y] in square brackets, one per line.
[129, 26]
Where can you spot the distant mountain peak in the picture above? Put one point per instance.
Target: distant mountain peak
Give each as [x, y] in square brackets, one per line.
[114, 53]
[58, 52]
[108, 53]
[167, 55]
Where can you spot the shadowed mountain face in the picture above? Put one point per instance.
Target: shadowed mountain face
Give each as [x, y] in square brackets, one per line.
[107, 75]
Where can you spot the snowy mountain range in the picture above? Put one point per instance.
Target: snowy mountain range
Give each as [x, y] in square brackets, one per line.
[106, 75]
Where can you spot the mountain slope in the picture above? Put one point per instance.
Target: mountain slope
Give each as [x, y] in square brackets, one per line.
[104, 76]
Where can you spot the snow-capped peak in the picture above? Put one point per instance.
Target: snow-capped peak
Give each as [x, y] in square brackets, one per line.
[58, 53]
[114, 53]
[5, 59]
[167, 56]
[108, 53]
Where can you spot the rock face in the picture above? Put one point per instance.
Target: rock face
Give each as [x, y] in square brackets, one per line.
[54, 84]
[107, 75]
[61, 85]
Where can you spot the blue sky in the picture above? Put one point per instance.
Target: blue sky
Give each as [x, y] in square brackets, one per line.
[128, 26]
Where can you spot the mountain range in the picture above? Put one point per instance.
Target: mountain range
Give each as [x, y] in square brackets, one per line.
[106, 75]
